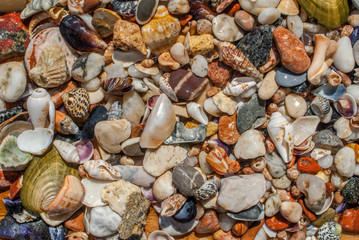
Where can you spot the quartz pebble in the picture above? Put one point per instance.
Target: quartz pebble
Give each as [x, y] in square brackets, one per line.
[199, 66]
[225, 29]
[344, 162]
[295, 105]
[250, 145]
[268, 16]
[291, 211]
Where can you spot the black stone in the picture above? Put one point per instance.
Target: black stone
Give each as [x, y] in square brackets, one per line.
[249, 112]
[126, 8]
[99, 113]
[256, 45]
[187, 213]
[350, 191]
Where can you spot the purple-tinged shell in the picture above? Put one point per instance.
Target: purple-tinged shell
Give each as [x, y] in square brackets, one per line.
[80, 36]
[148, 193]
[85, 150]
[346, 105]
[341, 207]
[214, 143]
[152, 101]
[354, 36]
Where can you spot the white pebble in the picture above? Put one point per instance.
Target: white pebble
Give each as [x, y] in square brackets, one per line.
[344, 57]
[199, 66]
[179, 53]
[268, 16]
[326, 162]
[295, 25]
[91, 85]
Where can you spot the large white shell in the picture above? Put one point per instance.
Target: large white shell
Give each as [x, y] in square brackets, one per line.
[101, 170]
[67, 151]
[282, 135]
[93, 189]
[35, 141]
[304, 127]
[195, 110]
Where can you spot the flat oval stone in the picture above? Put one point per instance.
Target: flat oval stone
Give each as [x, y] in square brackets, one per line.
[296, 105]
[187, 179]
[271, 205]
[286, 78]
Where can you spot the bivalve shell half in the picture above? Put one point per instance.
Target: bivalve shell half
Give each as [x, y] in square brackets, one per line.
[346, 105]
[145, 10]
[288, 7]
[11, 155]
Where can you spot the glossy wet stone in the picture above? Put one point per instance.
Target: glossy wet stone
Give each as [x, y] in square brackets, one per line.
[187, 213]
[254, 213]
[350, 191]
[249, 112]
[286, 78]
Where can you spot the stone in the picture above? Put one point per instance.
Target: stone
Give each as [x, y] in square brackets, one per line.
[268, 15]
[240, 228]
[327, 216]
[292, 211]
[291, 50]
[136, 175]
[103, 221]
[163, 187]
[254, 213]
[344, 162]
[350, 192]
[277, 223]
[104, 21]
[131, 147]
[349, 220]
[226, 222]
[249, 112]
[308, 165]
[256, 45]
[14, 36]
[127, 37]
[219, 73]
[212, 128]
[201, 44]
[258, 6]
[133, 108]
[269, 86]
[275, 164]
[225, 103]
[314, 189]
[179, 53]
[250, 145]
[244, 20]
[328, 140]
[239, 193]
[225, 29]
[199, 66]
[209, 223]
[181, 134]
[204, 165]
[227, 130]
[344, 58]
[282, 182]
[178, 7]
[173, 228]
[271, 205]
[8, 6]
[295, 105]
[204, 26]
[286, 78]
[187, 179]
[157, 161]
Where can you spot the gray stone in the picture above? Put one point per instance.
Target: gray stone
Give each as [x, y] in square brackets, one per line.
[275, 164]
[328, 140]
[256, 45]
[248, 113]
[181, 134]
[286, 78]
[350, 191]
[187, 179]
[271, 206]
[281, 183]
[254, 213]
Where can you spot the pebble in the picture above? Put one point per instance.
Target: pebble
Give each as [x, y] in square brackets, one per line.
[224, 103]
[254, 213]
[244, 20]
[308, 165]
[269, 86]
[349, 220]
[187, 179]
[199, 66]
[268, 15]
[350, 192]
[239, 193]
[174, 228]
[163, 187]
[250, 145]
[292, 52]
[201, 44]
[178, 7]
[226, 222]
[103, 221]
[344, 58]
[328, 140]
[286, 78]
[209, 223]
[327, 216]
[204, 26]
[282, 182]
[275, 164]
[179, 53]
[249, 112]
[277, 223]
[271, 205]
[344, 162]
[295, 105]
[219, 73]
[292, 211]
[225, 29]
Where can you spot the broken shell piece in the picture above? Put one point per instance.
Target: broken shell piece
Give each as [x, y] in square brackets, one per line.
[67, 151]
[160, 235]
[239, 86]
[166, 87]
[346, 105]
[93, 189]
[152, 70]
[35, 141]
[224, 103]
[101, 170]
[211, 107]
[85, 150]
[128, 58]
[87, 67]
[181, 134]
[304, 127]
[64, 124]
[12, 81]
[195, 110]
[172, 204]
[343, 128]
[288, 7]
[11, 155]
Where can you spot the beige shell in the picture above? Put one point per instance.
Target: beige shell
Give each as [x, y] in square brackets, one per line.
[288, 7]
[161, 32]
[101, 170]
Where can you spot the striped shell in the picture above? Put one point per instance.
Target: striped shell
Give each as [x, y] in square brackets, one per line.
[320, 106]
[207, 190]
[166, 87]
[221, 163]
[236, 88]
[101, 170]
[329, 231]
[233, 57]
[172, 204]
[77, 102]
[118, 85]
[69, 198]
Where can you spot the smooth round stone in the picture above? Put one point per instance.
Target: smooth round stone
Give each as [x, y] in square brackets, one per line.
[226, 222]
[268, 16]
[199, 66]
[187, 179]
[326, 162]
[282, 182]
[286, 78]
[292, 211]
[268, 87]
[344, 162]
[296, 105]
[271, 205]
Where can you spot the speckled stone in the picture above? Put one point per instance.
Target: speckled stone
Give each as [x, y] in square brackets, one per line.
[282, 182]
[350, 191]
[286, 78]
[256, 45]
[249, 112]
[327, 216]
[125, 8]
[187, 179]
[328, 140]
[275, 164]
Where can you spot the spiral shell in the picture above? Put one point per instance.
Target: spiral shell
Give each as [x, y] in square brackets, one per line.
[101, 170]
[172, 204]
[77, 102]
[320, 106]
[118, 85]
[207, 190]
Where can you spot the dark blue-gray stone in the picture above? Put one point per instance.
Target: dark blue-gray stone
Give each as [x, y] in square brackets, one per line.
[187, 179]
[99, 113]
[248, 113]
[254, 213]
[286, 78]
[328, 140]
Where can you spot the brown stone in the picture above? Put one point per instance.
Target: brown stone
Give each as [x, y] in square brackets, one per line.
[75, 222]
[222, 235]
[291, 50]
[219, 73]
[209, 223]
[227, 129]
[104, 21]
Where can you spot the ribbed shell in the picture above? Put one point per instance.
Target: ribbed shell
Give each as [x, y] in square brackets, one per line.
[221, 163]
[172, 204]
[43, 180]
[36, 6]
[233, 57]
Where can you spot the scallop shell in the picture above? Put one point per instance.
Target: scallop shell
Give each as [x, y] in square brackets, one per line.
[69, 198]
[329, 13]
[11, 155]
[221, 163]
[43, 180]
[161, 32]
[36, 6]
[118, 85]
[172, 204]
[77, 102]
[101, 170]
[288, 7]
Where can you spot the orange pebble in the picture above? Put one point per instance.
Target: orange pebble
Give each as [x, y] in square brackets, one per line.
[234, 9]
[185, 19]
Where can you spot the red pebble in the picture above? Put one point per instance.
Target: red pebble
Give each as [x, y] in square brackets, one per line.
[308, 165]
[350, 220]
[227, 129]
[277, 223]
[329, 188]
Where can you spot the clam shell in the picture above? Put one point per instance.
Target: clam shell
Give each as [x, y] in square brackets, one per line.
[346, 105]
[304, 127]
[11, 155]
[101, 170]
[43, 180]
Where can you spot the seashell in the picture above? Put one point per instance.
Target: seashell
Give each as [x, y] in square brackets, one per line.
[82, 6]
[330, 92]
[221, 163]
[145, 10]
[172, 204]
[118, 85]
[195, 110]
[85, 149]
[201, 10]
[152, 101]
[69, 197]
[160, 235]
[282, 134]
[233, 57]
[67, 151]
[151, 70]
[163, 187]
[125, 160]
[93, 188]
[64, 124]
[126, 8]
[207, 190]
[330, 230]
[115, 111]
[87, 67]
[161, 32]
[43, 180]
[288, 7]
[160, 123]
[77, 102]
[181, 134]
[79, 35]
[36, 6]
[328, 202]
[11, 155]
[304, 127]
[101, 170]
[319, 9]
[166, 87]
[35, 141]
[237, 87]
[12, 81]
[14, 127]
[346, 105]
[343, 128]
[77, 236]
[320, 106]
[211, 108]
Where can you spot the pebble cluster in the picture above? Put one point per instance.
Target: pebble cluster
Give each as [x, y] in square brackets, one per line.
[179, 119]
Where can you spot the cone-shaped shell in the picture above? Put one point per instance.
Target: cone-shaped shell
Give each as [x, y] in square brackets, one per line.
[329, 13]
[43, 180]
